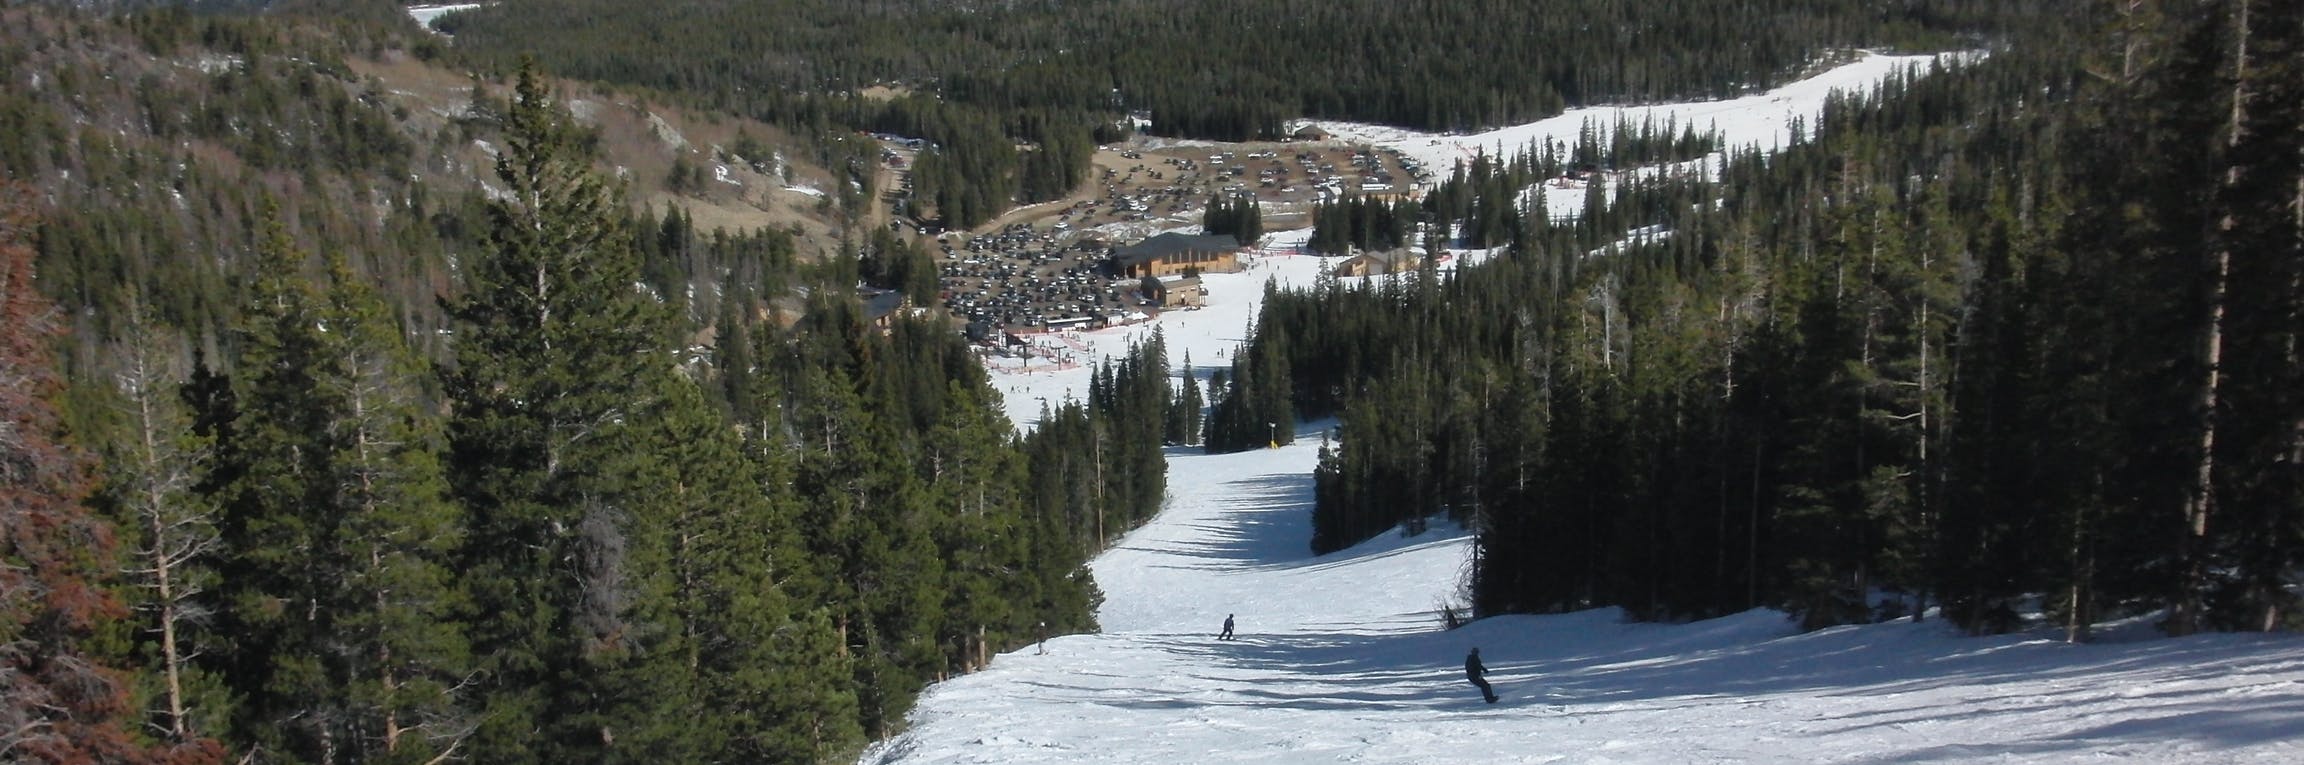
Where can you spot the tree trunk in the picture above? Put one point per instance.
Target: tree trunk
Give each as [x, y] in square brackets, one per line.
[2201, 503]
[178, 533]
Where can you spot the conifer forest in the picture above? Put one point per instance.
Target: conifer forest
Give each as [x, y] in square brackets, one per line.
[341, 428]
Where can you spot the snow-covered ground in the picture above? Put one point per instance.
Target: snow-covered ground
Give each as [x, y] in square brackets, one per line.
[1340, 658]
[426, 14]
[1763, 121]
[1755, 121]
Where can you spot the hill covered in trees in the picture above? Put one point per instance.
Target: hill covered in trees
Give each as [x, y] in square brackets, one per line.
[980, 79]
[345, 425]
[1227, 69]
[2020, 331]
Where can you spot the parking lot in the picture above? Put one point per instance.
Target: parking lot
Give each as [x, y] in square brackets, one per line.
[1043, 265]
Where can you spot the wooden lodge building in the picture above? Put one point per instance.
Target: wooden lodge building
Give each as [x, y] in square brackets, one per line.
[1379, 262]
[1171, 254]
[1178, 292]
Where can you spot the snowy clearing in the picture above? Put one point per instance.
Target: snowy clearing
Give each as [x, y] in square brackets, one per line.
[426, 14]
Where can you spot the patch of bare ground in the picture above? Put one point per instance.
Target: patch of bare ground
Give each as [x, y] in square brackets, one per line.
[640, 143]
[1148, 184]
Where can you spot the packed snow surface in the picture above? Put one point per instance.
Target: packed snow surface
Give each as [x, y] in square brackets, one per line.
[1341, 657]
[426, 14]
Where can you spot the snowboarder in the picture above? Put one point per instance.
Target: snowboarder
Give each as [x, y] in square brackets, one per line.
[1227, 628]
[1477, 673]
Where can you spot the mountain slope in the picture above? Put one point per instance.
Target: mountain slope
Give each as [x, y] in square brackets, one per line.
[1343, 657]
[1339, 658]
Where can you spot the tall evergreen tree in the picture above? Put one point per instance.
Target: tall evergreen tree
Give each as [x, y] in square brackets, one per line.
[2258, 463]
[768, 683]
[277, 521]
[1183, 420]
[351, 625]
[555, 352]
[399, 656]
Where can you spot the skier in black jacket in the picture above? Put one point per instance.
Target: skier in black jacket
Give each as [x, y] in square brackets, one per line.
[1477, 673]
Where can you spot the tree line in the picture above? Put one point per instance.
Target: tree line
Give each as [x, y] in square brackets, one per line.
[313, 461]
[2010, 338]
[1484, 201]
[1238, 216]
[982, 80]
[1209, 69]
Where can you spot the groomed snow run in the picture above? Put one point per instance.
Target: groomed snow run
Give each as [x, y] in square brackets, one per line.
[1341, 658]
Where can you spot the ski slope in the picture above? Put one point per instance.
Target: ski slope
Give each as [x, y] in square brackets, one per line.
[1340, 658]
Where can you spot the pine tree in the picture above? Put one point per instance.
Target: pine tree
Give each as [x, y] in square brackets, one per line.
[865, 526]
[350, 626]
[1183, 418]
[2259, 238]
[1836, 503]
[1251, 225]
[762, 683]
[399, 655]
[276, 523]
[2154, 331]
[969, 457]
[555, 354]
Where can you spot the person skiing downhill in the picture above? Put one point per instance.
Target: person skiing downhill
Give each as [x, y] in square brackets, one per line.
[1477, 673]
[1227, 635]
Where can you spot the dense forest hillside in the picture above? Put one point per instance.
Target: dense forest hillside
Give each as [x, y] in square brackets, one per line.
[162, 131]
[361, 410]
[370, 396]
[1213, 68]
[981, 79]
[2017, 335]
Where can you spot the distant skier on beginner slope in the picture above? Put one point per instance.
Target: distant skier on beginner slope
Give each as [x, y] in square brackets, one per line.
[1227, 634]
[1477, 673]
